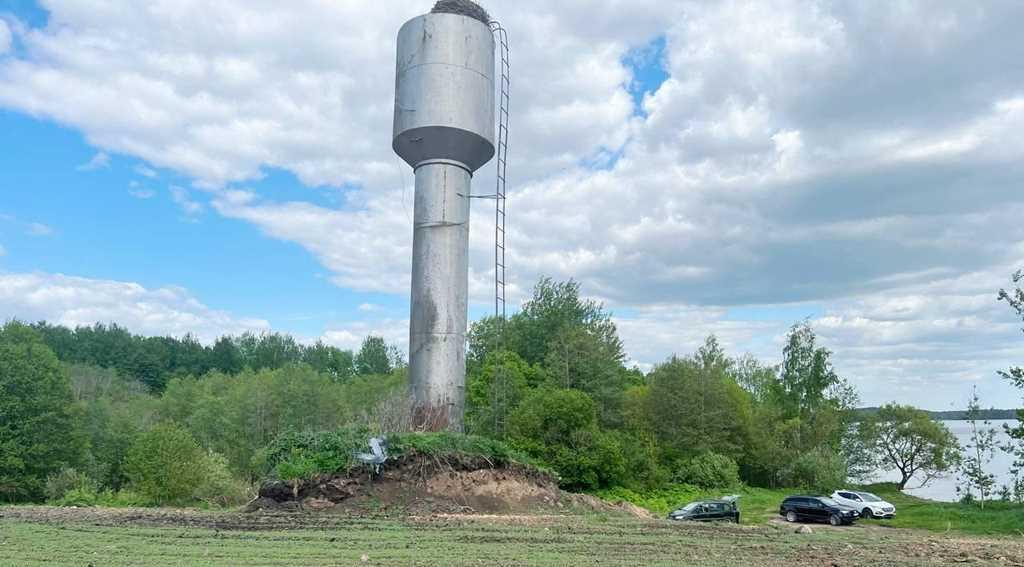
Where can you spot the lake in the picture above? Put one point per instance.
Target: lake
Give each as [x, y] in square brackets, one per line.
[945, 488]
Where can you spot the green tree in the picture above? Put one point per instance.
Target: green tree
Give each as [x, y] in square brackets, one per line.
[115, 410]
[975, 475]
[38, 422]
[374, 357]
[581, 360]
[911, 443]
[554, 307]
[225, 356]
[754, 377]
[1015, 447]
[338, 364]
[495, 390]
[268, 350]
[810, 395]
[166, 465]
[694, 406]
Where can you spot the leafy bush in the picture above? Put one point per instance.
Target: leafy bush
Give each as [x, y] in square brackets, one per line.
[166, 465]
[659, 500]
[819, 470]
[219, 488]
[67, 480]
[446, 443]
[558, 427]
[296, 455]
[305, 455]
[709, 470]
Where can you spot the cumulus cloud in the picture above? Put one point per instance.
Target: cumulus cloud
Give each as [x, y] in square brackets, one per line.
[74, 301]
[800, 152]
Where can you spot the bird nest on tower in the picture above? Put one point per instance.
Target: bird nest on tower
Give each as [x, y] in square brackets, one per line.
[462, 7]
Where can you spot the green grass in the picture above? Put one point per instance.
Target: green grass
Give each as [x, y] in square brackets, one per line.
[758, 505]
[913, 512]
[33, 537]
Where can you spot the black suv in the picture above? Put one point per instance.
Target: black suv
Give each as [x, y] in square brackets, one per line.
[708, 511]
[817, 509]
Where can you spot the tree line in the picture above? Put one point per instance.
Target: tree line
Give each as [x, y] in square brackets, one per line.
[154, 361]
[90, 414]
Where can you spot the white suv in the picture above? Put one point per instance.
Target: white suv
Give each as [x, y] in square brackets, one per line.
[870, 506]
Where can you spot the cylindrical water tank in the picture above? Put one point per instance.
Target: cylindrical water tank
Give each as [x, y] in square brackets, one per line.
[444, 91]
[444, 129]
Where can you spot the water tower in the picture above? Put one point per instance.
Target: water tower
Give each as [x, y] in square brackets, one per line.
[445, 129]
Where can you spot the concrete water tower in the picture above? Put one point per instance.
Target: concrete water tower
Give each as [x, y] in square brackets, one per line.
[445, 129]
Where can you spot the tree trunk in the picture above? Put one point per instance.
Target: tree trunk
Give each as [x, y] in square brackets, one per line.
[903, 481]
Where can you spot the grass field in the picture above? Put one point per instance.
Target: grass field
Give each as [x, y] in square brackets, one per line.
[54, 536]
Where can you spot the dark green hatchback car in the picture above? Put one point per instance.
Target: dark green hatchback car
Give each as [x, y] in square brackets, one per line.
[724, 510]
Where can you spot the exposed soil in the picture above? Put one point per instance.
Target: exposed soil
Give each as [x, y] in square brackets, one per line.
[428, 485]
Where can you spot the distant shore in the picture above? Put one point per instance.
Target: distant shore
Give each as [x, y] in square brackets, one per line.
[952, 415]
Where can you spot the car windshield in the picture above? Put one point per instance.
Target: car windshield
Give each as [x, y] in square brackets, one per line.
[689, 507]
[868, 497]
[829, 501]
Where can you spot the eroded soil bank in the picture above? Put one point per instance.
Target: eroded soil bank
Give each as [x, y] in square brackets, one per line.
[421, 484]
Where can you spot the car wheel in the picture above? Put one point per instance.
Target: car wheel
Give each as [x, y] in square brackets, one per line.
[867, 513]
[835, 520]
[791, 516]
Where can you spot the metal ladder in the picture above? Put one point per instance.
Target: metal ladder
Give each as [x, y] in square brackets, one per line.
[502, 155]
[499, 387]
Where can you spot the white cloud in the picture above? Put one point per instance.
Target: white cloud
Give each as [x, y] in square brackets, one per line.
[39, 229]
[74, 301]
[3, 251]
[98, 161]
[5, 37]
[142, 193]
[350, 336]
[181, 197]
[800, 152]
[146, 171]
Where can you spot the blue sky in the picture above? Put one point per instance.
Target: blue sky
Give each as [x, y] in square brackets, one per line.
[727, 168]
[100, 230]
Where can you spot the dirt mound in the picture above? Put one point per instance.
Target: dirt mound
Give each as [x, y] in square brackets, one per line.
[423, 484]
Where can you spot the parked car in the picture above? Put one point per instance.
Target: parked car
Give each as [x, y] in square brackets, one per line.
[817, 509]
[723, 510]
[870, 506]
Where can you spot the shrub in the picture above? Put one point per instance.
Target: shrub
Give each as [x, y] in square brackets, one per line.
[166, 465]
[709, 470]
[67, 480]
[218, 487]
[819, 470]
[296, 456]
[558, 427]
